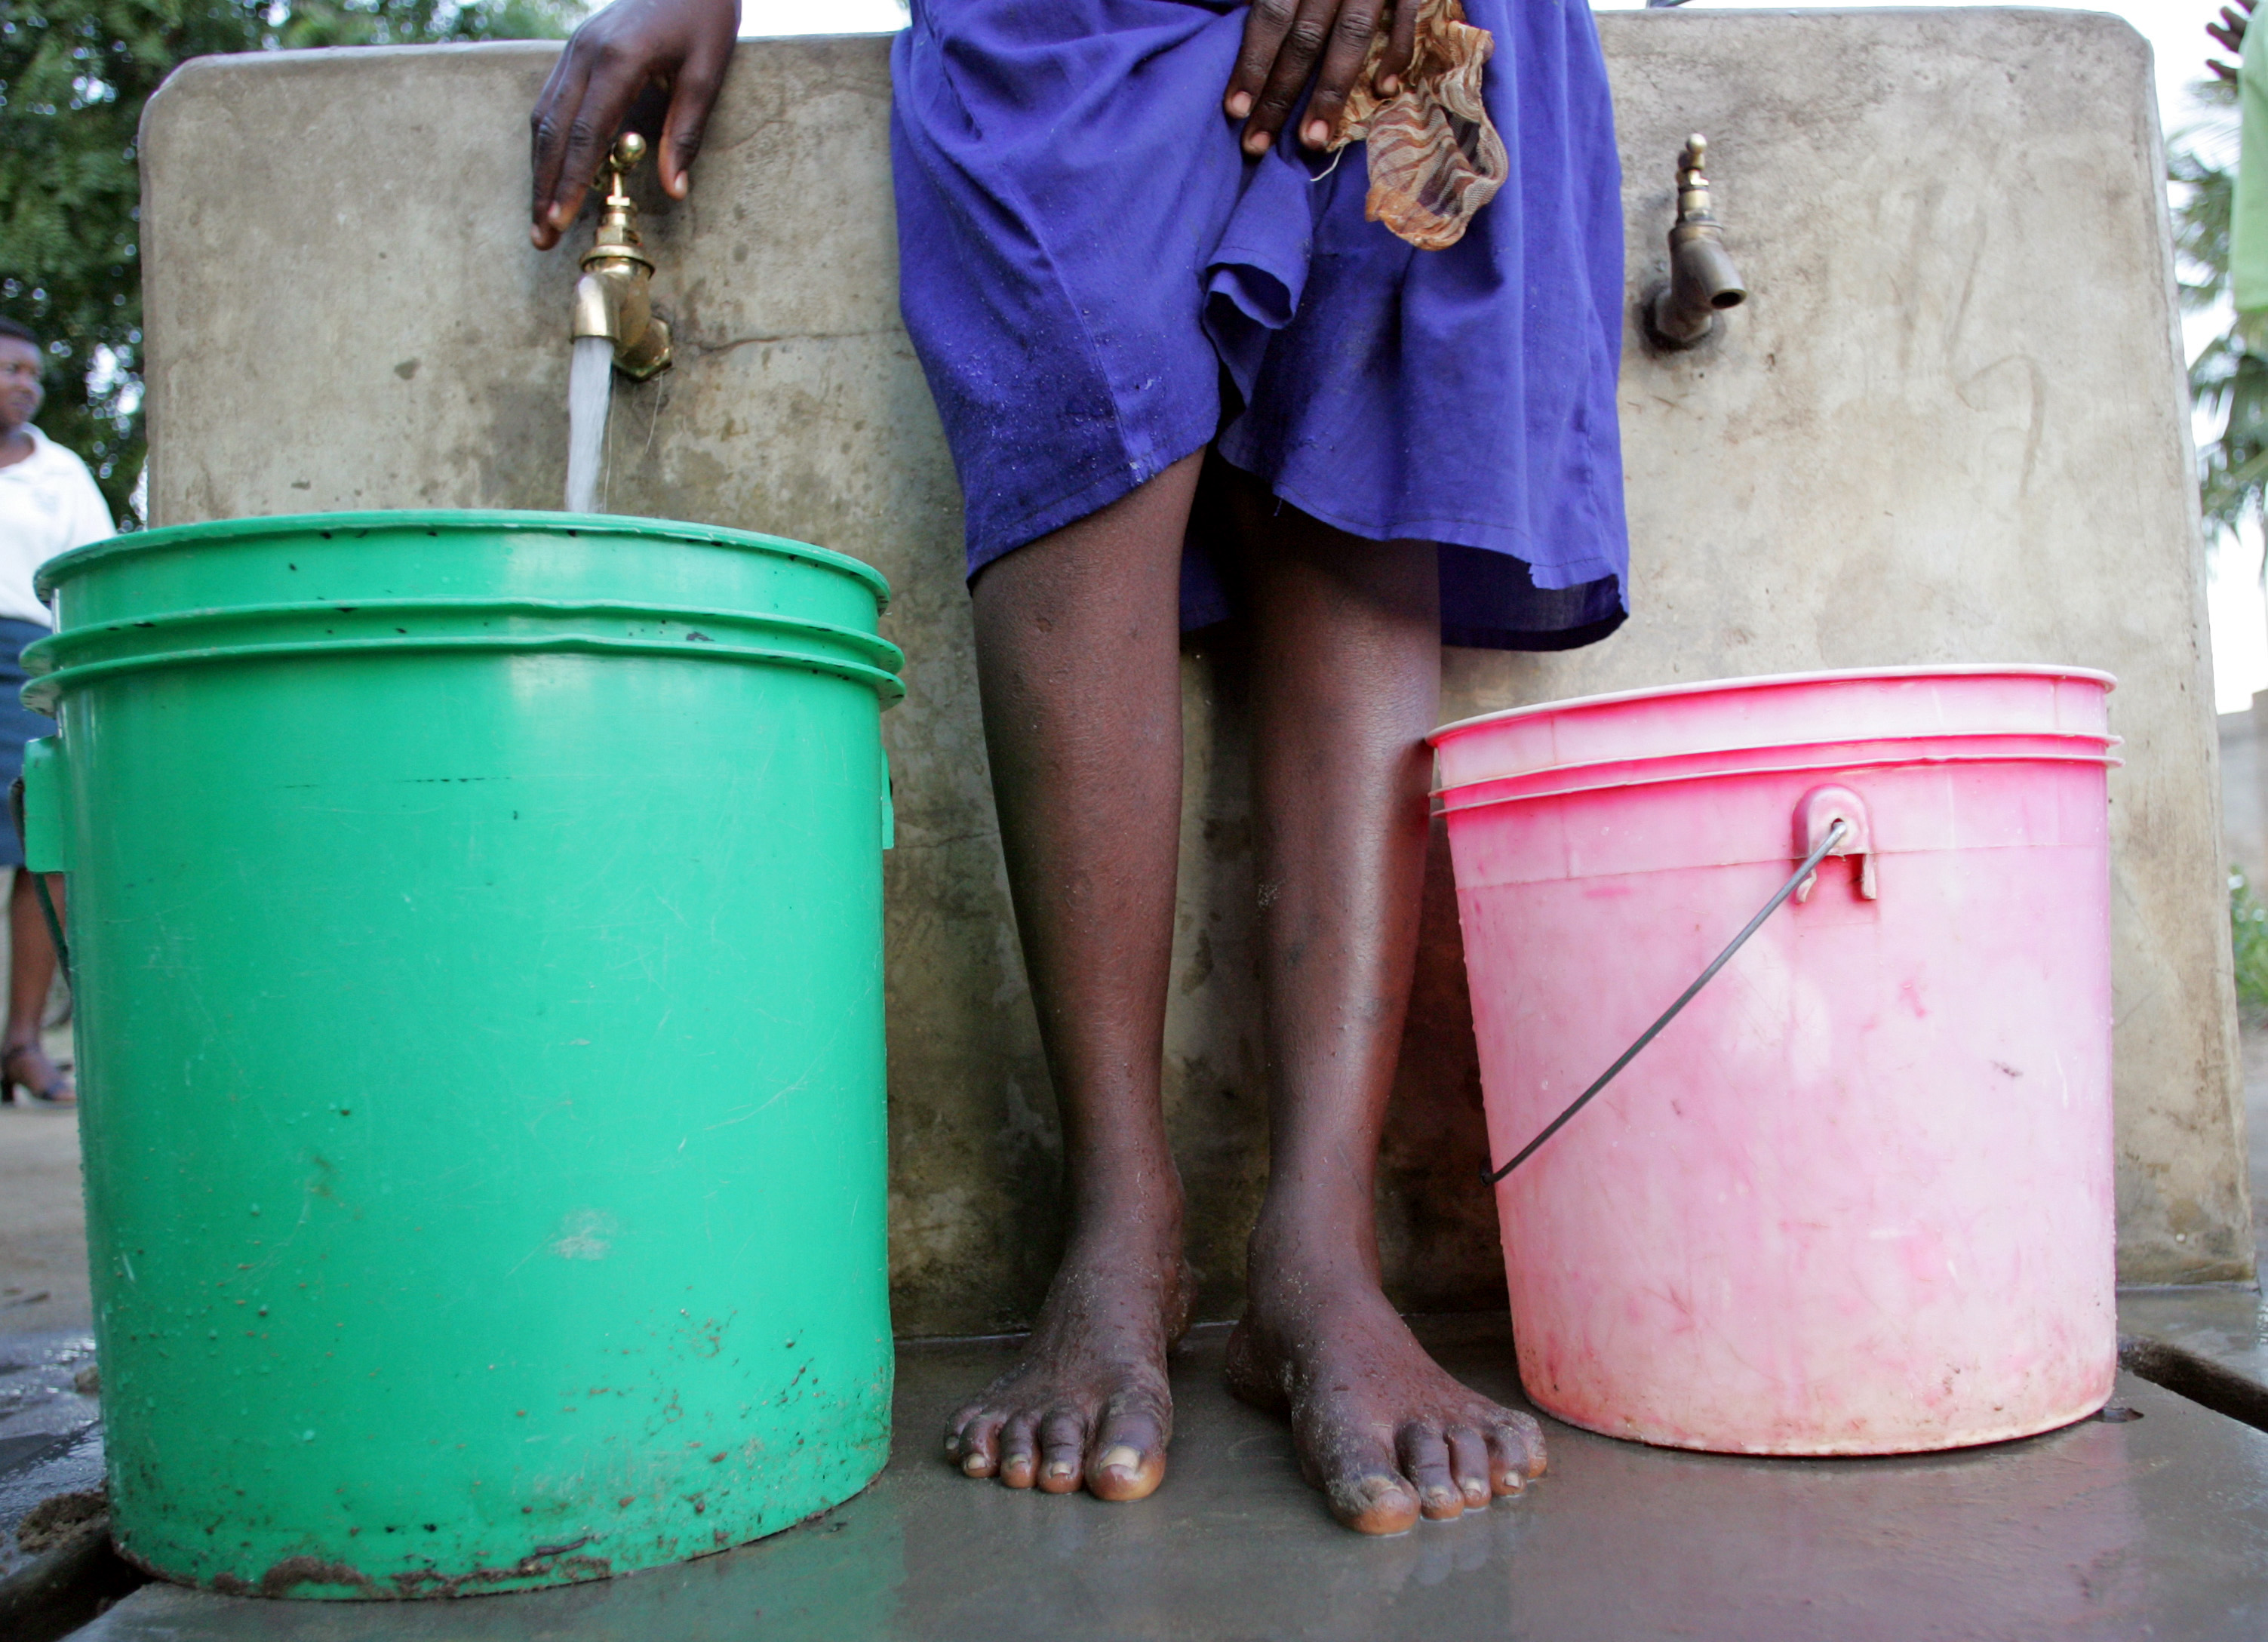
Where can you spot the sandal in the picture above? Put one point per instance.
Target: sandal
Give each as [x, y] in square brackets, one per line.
[58, 1091]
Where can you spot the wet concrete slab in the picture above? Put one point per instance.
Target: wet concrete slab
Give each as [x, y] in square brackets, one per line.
[2208, 1343]
[50, 1431]
[2226, 1326]
[2156, 1526]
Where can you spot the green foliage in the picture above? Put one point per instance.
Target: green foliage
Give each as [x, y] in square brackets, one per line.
[2248, 924]
[74, 75]
[2229, 379]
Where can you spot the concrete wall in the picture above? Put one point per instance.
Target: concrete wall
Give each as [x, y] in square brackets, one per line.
[1948, 427]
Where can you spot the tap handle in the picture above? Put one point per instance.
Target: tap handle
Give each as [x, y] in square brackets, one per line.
[1692, 182]
[621, 159]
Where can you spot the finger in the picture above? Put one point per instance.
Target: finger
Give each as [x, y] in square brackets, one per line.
[689, 103]
[1342, 64]
[1401, 46]
[1266, 22]
[1425, 1462]
[1469, 1465]
[1295, 64]
[980, 1446]
[1063, 1452]
[2221, 68]
[547, 137]
[591, 125]
[1020, 1451]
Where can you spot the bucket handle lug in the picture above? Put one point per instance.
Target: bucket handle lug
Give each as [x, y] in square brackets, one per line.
[1816, 813]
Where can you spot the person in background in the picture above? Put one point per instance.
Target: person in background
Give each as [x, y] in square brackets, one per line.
[48, 504]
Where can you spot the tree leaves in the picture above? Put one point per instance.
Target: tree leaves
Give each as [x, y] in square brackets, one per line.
[2229, 379]
[74, 75]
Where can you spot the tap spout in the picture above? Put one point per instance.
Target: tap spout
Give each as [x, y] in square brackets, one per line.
[1703, 282]
[611, 298]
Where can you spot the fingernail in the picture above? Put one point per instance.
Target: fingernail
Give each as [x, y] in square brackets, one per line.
[1256, 142]
[1318, 134]
[1240, 104]
[1389, 85]
[1123, 1457]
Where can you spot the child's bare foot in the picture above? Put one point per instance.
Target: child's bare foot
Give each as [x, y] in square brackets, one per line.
[1380, 1428]
[1087, 1401]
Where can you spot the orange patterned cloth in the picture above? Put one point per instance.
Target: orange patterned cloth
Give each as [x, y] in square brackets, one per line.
[1435, 159]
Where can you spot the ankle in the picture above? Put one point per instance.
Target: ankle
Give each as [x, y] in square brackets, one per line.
[1305, 1243]
[1143, 1218]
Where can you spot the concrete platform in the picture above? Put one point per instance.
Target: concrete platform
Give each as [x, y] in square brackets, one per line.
[2150, 1527]
[2188, 1339]
[2209, 1341]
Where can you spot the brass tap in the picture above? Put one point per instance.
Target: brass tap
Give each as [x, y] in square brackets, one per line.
[1682, 310]
[610, 299]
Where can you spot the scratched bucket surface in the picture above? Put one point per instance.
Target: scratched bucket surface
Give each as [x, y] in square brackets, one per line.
[1857, 1199]
[476, 930]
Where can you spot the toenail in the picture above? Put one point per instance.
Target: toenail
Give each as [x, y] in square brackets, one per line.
[1123, 1457]
[973, 1465]
[1060, 1468]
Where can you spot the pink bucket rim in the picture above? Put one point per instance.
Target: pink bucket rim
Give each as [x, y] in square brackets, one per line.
[1776, 681]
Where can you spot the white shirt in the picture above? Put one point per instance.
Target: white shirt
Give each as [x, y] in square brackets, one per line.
[48, 504]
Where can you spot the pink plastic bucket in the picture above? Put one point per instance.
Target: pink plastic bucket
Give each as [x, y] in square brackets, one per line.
[1857, 1198]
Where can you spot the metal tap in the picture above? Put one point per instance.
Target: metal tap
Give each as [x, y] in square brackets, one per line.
[1682, 310]
[611, 297]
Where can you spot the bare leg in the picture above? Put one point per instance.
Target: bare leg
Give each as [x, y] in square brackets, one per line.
[31, 973]
[1346, 680]
[1078, 651]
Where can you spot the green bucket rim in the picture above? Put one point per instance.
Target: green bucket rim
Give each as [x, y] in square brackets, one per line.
[433, 522]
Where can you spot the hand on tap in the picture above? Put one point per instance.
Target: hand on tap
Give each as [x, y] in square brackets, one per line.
[2228, 32]
[680, 47]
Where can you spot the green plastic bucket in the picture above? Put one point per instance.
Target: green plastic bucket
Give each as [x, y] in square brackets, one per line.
[476, 930]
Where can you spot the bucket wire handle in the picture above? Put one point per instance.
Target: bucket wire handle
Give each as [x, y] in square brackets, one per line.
[1826, 847]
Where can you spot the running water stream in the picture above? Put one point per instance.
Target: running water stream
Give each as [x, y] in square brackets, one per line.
[590, 386]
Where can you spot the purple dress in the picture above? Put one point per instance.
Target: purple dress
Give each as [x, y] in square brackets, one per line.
[1099, 284]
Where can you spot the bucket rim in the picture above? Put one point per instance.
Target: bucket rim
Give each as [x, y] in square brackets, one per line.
[434, 519]
[1774, 681]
